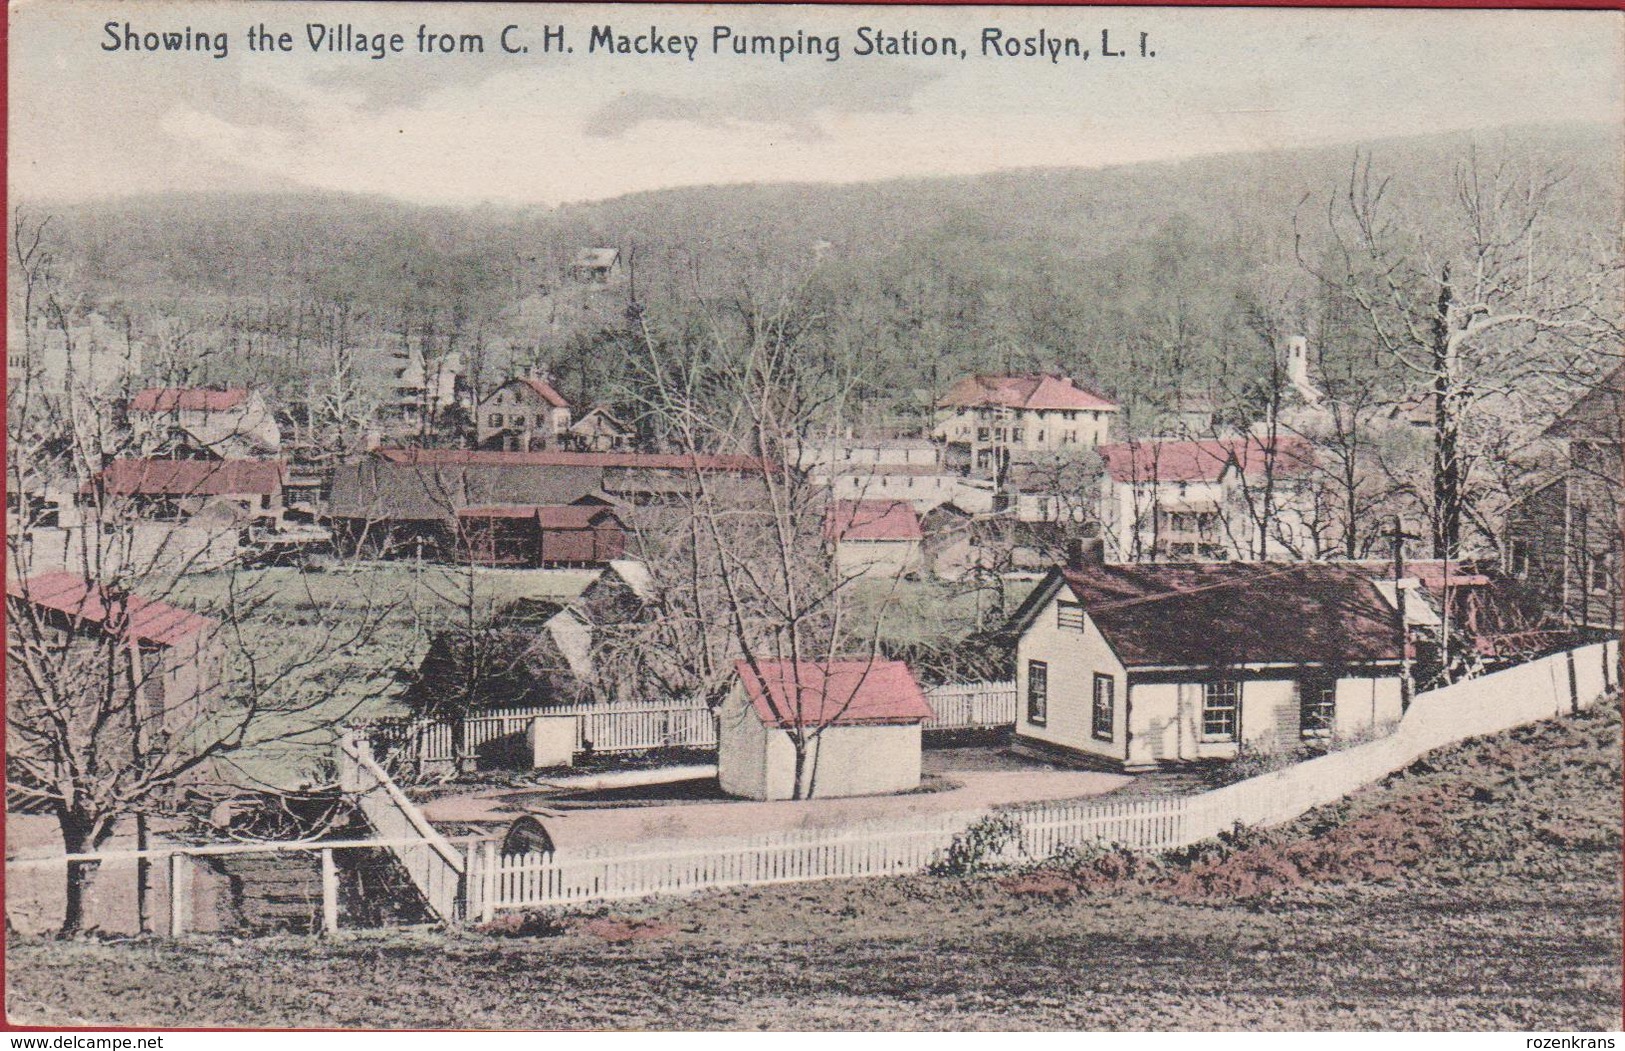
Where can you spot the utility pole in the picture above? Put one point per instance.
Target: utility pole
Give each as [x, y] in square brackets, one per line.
[1401, 624]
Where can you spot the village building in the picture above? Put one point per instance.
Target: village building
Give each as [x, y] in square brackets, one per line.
[835, 455]
[224, 493]
[1132, 666]
[397, 502]
[861, 721]
[596, 266]
[599, 431]
[921, 486]
[1563, 538]
[1171, 500]
[583, 534]
[91, 358]
[523, 414]
[873, 538]
[985, 420]
[170, 659]
[422, 392]
[230, 423]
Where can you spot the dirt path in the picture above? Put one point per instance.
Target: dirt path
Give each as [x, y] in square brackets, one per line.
[584, 827]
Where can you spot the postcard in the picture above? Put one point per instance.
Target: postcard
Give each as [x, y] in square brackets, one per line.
[677, 517]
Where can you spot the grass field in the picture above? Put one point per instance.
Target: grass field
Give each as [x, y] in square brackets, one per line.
[1479, 889]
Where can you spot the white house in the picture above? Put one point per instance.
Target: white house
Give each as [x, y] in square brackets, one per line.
[860, 720]
[984, 420]
[227, 424]
[91, 358]
[1132, 666]
[922, 487]
[522, 415]
[600, 431]
[873, 538]
[1175, 500]
[843, 454]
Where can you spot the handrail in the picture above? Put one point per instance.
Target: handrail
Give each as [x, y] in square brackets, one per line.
[408, 809]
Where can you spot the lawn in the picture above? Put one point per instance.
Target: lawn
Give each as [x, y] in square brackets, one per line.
[368, 624]
[1478, 889]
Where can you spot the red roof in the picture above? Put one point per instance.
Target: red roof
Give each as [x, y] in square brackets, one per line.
[190, 477]
[556, 458]
[1204, 461]
[871, 520]
[548, 516]
[189, 399]
[840, 693]
[146, 620]
[543, 390]
[1023, 392]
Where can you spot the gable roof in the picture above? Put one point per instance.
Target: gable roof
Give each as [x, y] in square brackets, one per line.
[1205, 461]
[600, 413]
[187, 399]
[147, 477]
[839, 693]
[871, 520]
[1215, 615]
[1595, 415]
[132, 616]
[1023, 392]
[597, 258]
[541, 388]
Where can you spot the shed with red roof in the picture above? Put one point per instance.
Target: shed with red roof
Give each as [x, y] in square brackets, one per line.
[859, 721]
[876, 538]
[236, 491]
[83, 635]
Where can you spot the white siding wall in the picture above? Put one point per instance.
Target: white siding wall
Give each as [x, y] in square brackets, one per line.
[877, 558]
[741, 749]
[1073, 660]
[755, 762]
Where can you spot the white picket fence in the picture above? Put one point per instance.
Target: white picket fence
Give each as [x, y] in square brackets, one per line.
[972, 705]
[635, 728]
[1556, 685]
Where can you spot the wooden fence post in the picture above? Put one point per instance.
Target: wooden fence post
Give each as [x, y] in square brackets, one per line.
[330, 893]
[180, 886]
[488, 880]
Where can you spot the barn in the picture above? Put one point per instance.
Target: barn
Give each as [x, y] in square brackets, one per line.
[582, 534]
[861, 721]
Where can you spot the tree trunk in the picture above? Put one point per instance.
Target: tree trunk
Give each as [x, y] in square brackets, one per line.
[77, 838]
[1447, 479]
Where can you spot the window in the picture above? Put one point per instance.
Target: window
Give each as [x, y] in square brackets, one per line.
[1520, 558]
[1104, 714]
[1015, 434]
[1043, 509]
[1040, 435]
[1602, 577]
[1069, 616]
[541, 421]
[1317, 707]
[495, 419]
[1221, 707]
[1037, 692]
[981, 434]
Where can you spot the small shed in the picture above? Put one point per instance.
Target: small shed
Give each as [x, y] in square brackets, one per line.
[861, 721]
[550, 535]
[875, 538]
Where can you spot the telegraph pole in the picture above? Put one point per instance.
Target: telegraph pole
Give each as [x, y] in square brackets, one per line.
[1401, 624]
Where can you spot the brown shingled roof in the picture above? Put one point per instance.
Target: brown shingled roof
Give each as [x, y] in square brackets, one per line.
[1226, 614]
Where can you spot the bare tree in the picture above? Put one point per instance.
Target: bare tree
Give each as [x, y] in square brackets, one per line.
[1470, 304]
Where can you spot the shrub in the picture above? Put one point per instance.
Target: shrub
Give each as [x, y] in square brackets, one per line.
[979, 847]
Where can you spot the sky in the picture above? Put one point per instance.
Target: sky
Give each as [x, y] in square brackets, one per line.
[545, 127]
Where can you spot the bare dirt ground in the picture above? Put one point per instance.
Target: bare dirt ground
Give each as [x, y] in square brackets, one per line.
[1477, 890]
[651, 815]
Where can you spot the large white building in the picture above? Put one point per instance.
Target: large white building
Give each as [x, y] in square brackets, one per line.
[985, 420]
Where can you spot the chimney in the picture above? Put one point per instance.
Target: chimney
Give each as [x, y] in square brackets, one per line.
[1083, 552]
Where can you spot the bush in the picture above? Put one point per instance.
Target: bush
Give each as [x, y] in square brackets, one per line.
[980, 847]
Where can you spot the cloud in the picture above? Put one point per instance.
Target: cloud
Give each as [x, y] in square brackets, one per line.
[797, 107]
